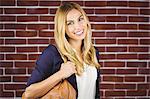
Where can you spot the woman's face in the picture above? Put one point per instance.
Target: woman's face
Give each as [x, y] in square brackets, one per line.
[76, 25]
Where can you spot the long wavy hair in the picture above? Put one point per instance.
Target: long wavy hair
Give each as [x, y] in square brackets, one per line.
[64, 47]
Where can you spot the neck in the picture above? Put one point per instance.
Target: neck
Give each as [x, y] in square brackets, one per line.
[76, 45]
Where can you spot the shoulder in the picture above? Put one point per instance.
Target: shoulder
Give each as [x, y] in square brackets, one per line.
[50, 49]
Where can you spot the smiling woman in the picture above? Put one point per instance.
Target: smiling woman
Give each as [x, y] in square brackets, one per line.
[73, 58]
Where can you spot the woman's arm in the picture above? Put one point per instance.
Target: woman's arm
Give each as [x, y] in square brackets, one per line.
[41, 88]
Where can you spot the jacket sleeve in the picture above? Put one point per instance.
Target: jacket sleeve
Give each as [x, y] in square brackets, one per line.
[43, 66]
[97, 96]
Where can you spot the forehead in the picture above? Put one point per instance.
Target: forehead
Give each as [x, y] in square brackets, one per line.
[73, 14]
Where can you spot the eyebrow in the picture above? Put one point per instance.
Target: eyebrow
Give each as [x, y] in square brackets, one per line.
[78, 18]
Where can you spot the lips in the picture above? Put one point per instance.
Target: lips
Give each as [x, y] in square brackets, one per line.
[79, 33]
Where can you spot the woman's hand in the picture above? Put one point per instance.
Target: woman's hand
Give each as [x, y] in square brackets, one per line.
[67, 69]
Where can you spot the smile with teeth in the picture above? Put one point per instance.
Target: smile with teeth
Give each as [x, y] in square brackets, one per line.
[79, 33]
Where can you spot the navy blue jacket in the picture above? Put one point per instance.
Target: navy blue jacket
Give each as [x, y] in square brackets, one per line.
[49, 63]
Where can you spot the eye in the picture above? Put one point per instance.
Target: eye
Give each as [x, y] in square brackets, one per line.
[70, 23]
[81, 18]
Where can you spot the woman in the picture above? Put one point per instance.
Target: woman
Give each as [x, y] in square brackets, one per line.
[73, 58]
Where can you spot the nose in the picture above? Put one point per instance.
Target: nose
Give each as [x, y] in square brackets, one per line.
[77, 26]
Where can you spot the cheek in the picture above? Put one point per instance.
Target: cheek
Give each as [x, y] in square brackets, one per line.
[70, 29]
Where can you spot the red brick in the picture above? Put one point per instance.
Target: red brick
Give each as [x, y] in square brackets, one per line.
[138, 19]
[47, 18]
[24, 64]
[15, 71]
[98, 34]
[6, 94]
[105, 41]
[138, 34]
[1, 41]
[37, 26]
[107, 56]
[15, 26]
[6, 64]
[105, 11]
[116, 49]
[75, 1]
[114, 93]
[6, 33]
[51, 26]
[125, 86]
[27, 18]
[1, 26]
[101, 49]
[144, 71]
[95, 3]
[1, 56]
[126, 71]
[128, 41]
[116, 34]
[144, 56]
[7, 2]
[138, 49]
[26, 33]
[38, 41]
[52, 10]
[144, 26]
[96, 18]
[116, 18]
[1, 71]
[1, 10]
[103, 26]
[49, 3]
[27, 3]
[30, 70]
[117, 3]
[134, 78]
[144, 41]
[107, 71]
[15, 10]
[5, 78]
[19, 93]
[20, 78]
[14, 86]
[16, 56]
[148, 78]
[127, 26]
[138, 4]
[89, 10]
[145, 11]
[126, 56]
[113, 78]
[46, 34]
[37, 11]
[136, 93]
[136, 64]
[33, 56]
[15, 41]
[128, 11]
[143, 86]
[7, 49]
[106, 86]
[41, 49]
[7, 18]
[114, 64]
[27, 49]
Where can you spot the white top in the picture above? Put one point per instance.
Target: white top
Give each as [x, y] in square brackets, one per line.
[86, 83]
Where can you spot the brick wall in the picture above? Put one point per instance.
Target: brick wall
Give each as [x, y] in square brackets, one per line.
[121, 32]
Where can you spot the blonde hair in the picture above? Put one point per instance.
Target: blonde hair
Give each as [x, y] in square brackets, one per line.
[65, 49]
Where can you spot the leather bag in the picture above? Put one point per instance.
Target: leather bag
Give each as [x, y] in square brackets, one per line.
[63, 90]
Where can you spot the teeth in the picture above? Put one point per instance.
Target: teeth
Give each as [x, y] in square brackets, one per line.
[78, 33]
